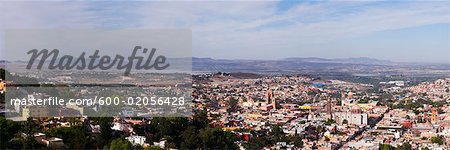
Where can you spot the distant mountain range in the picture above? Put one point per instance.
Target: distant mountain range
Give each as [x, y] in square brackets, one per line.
[358, 60]
[313, 65]
[306, 65]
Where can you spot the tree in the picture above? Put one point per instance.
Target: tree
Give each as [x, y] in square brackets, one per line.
[298, 142]
[74, 137]
[29, 128]
[200, 119]
[120, 144]
[437, 139]
[257, 143]
[425, 148]
[216, 138]
[190, 138]
[277, 134]
[15, 143]
[105, 130]
[329, 122]
[363, 101]
[139, 129]
[408, 117]
[98, 141]
[404, 146]
[345, 121]
[385, 147]
[232, 105]
[8, 129]
[168, 128]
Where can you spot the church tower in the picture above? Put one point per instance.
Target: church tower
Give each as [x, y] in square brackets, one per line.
[270, 99]
[433, 115]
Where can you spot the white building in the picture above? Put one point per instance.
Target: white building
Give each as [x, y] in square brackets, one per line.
[161, 144]
[352, 118]
[136, 139]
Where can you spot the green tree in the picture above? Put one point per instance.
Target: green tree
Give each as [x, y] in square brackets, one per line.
[257, 143]
[385, 147]
[168, 128]
[232, 105]
[139, 129]
[298, 142]
[277, 134]
[200, 119]
[8, 129]
[15, 143]
[216, 138]
[120, 144]
[363, 101]
[404, 146]
[425, 148]
[437, 139]
[74, 137]
[104, 138]
[105, 130]
[29, 129]
[345, 121]
[329, 122]
[190, 138]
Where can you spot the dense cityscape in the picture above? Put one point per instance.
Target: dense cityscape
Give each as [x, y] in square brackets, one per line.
[260, 111]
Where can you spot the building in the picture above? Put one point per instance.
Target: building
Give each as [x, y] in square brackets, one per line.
[270, 100]
[352, 118]
[136, 140]
[355, 116]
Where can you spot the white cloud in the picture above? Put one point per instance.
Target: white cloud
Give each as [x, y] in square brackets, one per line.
[236, 29]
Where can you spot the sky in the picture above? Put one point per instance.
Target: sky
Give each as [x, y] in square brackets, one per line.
[403, 31]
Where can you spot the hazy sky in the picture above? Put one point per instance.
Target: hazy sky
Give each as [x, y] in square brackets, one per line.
[399, 31]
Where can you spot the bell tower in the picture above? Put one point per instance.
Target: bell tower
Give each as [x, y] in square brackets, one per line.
[433, 115]
[269, 98]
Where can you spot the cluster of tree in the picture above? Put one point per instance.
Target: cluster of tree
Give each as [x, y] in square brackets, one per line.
[269, 138]
[232, 105]
[8, 130]
[404, 146]
[180, 132]
[11, 137]
[330, 121]
[73, 137]
[437, 139]
[363, 101]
